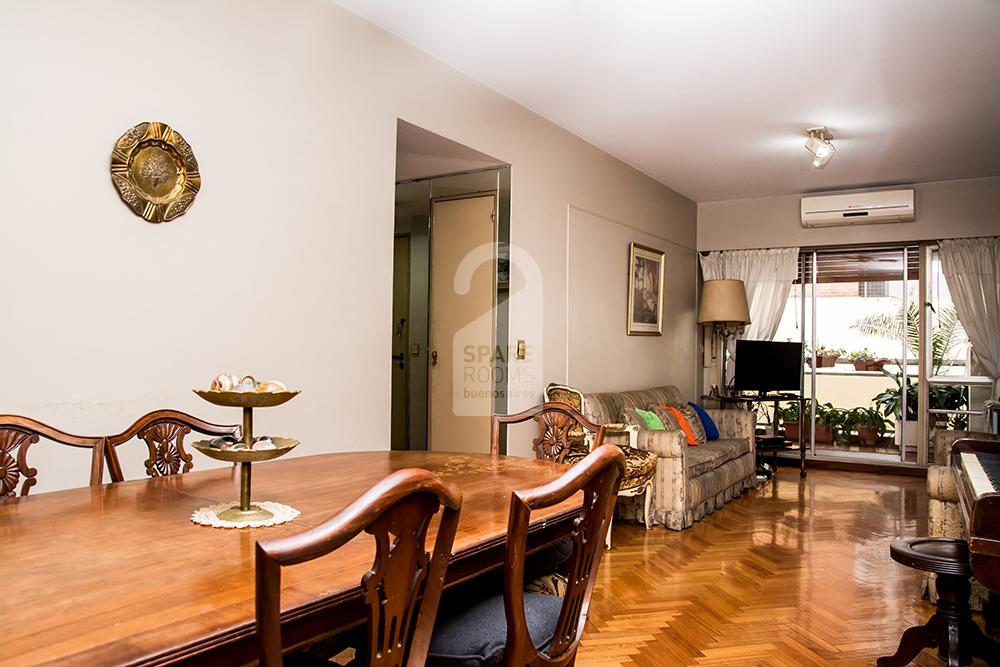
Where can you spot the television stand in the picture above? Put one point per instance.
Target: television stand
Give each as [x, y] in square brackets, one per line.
[770, 443]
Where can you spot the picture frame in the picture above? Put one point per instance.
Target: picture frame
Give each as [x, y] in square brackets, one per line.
[645, 291]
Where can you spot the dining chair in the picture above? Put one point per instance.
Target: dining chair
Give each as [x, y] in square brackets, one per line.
[515, 628]
[163, 432]
[402, 590]
[18, 434]
[557, 421]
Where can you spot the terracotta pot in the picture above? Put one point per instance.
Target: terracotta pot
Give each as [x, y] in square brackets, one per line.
[874, 365]
[824, 433]
[868, 436]
[860, 365]
[826, 362]
[791, 431]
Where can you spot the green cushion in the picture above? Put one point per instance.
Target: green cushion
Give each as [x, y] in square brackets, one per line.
[653, 422]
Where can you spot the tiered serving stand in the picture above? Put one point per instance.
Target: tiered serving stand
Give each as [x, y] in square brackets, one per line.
[245, 457]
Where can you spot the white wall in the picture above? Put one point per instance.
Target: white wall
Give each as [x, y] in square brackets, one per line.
[944, 209]
[598, 250]
[282, 267]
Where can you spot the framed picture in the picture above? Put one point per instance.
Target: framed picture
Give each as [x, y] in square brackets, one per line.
[645, 291]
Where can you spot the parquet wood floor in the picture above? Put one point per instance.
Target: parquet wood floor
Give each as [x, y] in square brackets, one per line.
[794, 574]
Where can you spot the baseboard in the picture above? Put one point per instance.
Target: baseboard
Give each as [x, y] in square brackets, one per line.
[851, 466]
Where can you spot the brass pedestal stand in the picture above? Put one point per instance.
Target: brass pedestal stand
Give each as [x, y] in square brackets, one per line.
[246, 511]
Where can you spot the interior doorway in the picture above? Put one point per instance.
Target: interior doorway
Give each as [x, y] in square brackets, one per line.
[449, 312]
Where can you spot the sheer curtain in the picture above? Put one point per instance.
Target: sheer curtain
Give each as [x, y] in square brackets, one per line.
[768, 276]
[972, 269]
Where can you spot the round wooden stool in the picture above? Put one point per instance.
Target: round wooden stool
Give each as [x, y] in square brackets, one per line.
[951, 629]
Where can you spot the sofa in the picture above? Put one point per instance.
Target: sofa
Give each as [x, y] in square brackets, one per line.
[690, 482]
[944, 515]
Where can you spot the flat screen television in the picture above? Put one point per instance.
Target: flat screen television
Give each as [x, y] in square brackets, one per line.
[764, 366]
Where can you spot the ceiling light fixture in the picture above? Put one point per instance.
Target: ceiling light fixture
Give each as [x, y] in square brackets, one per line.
[820, 146]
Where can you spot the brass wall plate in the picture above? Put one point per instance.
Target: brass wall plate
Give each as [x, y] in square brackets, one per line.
[155, 172]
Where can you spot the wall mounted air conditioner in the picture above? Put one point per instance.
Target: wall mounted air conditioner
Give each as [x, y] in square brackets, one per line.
[859, 208]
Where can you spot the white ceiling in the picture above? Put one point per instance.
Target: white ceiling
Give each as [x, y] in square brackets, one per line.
[712, 97]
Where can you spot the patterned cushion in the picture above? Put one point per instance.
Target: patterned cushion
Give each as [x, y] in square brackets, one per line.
[941, 484]
[639, 465]
[633, 418]
[711, 430]
[560, 393]
[668, 419]
[693, 421]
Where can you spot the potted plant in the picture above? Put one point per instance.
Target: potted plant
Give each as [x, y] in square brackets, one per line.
[868, 422]
[789, 417]
[828, 420]
[866, 361]
[825, 357]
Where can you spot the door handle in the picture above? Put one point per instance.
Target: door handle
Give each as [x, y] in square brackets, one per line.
[434, 358]
[401, 358]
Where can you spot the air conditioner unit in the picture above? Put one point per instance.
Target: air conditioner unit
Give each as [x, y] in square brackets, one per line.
[859, 208]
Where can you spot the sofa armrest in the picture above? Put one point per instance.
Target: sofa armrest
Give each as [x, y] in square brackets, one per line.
[735, 424]
[623, 435]
[665, 444]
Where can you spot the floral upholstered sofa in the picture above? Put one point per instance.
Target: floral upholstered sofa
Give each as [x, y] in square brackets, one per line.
[690, 481]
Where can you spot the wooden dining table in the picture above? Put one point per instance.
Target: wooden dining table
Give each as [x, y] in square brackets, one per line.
[119, 574]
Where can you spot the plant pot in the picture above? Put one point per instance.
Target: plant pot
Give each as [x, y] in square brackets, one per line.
[824, 433]
[876, 365]
[911, 435]
[868, 436]
[826, 362]
[791, 431]
[860, 365]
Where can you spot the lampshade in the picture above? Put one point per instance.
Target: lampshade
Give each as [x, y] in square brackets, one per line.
[723, 302]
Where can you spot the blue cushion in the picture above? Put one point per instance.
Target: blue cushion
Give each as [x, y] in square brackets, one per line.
[474, 635]
[711, 430]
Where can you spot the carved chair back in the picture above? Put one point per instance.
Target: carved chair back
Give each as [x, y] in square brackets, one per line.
[18, 434]
[403, 588]
[163, 432]
[556, 422]
[599, 477]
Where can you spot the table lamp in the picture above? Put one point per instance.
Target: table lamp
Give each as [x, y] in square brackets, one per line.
[724, 307]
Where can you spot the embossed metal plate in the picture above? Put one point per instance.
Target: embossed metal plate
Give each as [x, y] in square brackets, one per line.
[155, 172]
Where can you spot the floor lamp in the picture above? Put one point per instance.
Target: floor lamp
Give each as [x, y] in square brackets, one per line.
[724, 307]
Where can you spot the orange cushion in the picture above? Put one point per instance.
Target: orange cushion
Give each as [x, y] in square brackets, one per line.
[685, 426]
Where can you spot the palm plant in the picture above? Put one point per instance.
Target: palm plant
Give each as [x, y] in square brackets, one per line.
[944, 338]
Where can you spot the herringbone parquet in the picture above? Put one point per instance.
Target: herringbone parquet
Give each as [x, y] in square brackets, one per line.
[796, 573]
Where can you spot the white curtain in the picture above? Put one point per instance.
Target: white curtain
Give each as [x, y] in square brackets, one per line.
[768, 276]
[972, 269]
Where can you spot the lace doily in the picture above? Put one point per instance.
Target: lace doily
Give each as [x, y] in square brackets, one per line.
[208, 516]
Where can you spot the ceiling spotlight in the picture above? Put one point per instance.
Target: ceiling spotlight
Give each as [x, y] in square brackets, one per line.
[820, 146]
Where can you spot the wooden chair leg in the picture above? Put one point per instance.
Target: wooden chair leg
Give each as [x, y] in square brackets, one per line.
[648, 505]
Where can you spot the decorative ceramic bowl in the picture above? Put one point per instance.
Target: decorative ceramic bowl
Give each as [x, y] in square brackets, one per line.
[281, 447]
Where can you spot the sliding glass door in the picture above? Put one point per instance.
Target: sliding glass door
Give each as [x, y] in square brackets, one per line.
[856, 311]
